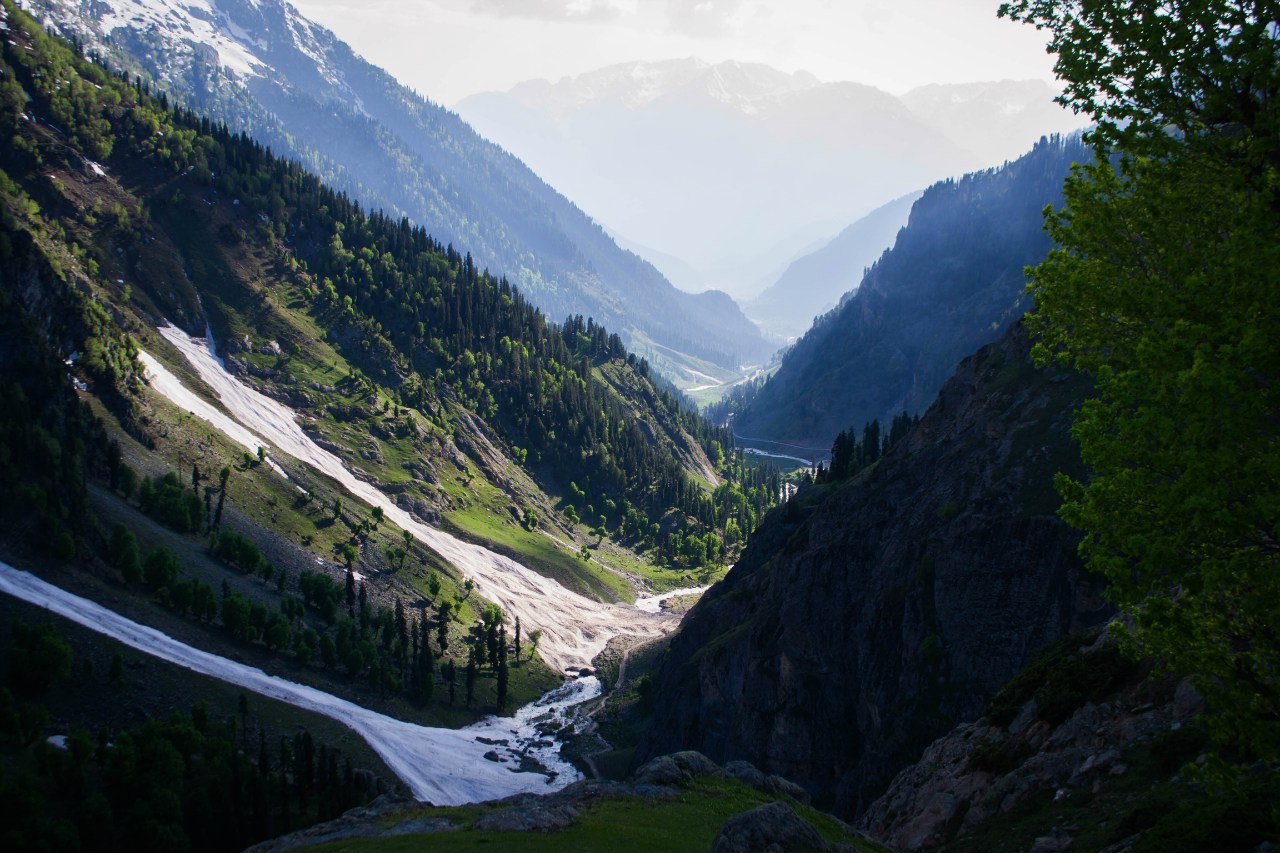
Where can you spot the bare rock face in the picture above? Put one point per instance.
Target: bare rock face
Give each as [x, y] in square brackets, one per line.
[979, 773]
[870, 617]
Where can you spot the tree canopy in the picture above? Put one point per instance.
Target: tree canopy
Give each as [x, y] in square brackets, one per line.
[1163, 286]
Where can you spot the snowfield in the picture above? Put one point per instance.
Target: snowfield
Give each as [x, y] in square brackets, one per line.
[653, 603]
[575, 628]
[441, 766]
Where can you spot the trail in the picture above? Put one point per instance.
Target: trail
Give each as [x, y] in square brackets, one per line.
[575, 628]
[443, 766]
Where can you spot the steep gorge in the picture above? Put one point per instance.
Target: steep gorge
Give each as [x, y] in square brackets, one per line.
[866, 618]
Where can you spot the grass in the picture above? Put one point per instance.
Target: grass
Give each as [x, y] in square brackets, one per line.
[687, 822]
[304, 533]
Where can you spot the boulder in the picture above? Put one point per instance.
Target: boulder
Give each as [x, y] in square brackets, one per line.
[771, 827]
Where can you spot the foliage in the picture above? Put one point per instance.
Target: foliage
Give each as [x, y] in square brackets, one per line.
[1163, 286]
[168, 501]
[177, 784]
[952, 282]
[238, 550]
[414, 316]
[40, 658]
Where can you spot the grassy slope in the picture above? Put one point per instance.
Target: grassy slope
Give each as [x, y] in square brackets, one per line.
[687, 822]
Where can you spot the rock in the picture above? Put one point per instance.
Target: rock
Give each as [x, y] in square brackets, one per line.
[533, 817]
[784, 787]
[1187, 701]
[1025, 718]
[697, 764]
[771, 827]
[1051, 843]
[944, 524]
[662, 770]
[747, 773]
[492, 756]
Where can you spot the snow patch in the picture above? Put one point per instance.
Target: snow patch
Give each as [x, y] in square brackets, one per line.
[575, 628]
[442, 766]
[653, 603]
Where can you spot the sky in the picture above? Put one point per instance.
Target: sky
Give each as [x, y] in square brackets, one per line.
[448, 49]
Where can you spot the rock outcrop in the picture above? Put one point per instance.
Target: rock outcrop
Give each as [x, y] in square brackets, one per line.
[1059, 734]
[869, 617]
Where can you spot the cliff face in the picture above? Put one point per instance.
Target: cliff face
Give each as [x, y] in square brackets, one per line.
[868, 618]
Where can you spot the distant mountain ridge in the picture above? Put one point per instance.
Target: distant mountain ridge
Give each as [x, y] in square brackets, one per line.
[761, 152]
[814, 283]
[263, 68]
[952, 282]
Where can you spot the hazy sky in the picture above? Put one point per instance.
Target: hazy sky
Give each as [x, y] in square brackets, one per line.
[448, 49]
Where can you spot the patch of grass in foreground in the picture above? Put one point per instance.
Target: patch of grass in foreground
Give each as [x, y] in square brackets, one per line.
[687, 822]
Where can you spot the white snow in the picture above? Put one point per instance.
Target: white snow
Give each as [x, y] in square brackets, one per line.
[575, 628]
[171, 387]
[653, 603]
[194, 20]
[97, 168]
[442, 766]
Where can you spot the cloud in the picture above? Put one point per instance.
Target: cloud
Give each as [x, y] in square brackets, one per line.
[702, 17]
[551, 10]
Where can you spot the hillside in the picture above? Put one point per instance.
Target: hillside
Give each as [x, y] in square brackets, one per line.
[263, 69]
[813, 284]
[932, 577]
[952, 282]
[302, 439]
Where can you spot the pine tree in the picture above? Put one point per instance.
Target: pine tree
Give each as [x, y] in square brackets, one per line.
[502, 668]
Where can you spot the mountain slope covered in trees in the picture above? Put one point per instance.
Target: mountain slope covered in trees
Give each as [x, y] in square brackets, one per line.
[425, 376]
[262, 68]
[812, 285]
[952, 282]
[870, 614]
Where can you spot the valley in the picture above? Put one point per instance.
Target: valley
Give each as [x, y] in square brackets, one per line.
[360, 491]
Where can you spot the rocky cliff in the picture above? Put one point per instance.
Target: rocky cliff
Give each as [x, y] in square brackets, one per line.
[869, 617]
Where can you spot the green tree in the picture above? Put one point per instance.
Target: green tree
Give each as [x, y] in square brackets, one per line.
[40, 658]
[123, 553]
[1162, 286]
[503, 674]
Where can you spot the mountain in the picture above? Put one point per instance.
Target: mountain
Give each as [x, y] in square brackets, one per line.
[996, 119]
[867, 617]
[952, 282]
[813, 284]
[177, 295]
[763, 153]
[262, 68]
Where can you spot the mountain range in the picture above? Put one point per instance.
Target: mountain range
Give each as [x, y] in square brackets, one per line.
[812, 284]
[953, 281]
[262, 68]
[776, 161]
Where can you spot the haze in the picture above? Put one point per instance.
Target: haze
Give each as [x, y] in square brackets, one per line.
[448, 49]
